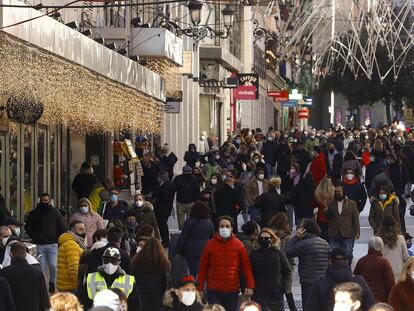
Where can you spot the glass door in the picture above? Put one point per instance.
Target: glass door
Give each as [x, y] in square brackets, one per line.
[2, 167]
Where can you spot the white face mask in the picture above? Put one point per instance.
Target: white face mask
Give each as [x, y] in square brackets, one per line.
[350, 176]
[139, 203]
[84, 209]
[214, 181]
[110, 268]
[225, 233]
[17, 231]
[139, 248]
[4, 241]
[203, 137]
[256, 160]
[261, 176]
[188, 298]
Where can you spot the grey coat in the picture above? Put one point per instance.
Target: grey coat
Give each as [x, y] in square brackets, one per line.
[313, 254]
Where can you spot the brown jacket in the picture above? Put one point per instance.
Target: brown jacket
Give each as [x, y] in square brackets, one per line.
[252, 190]
[401, 297]
[345, 225]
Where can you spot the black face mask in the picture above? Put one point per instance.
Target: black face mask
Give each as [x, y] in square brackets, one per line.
[82, 235]
[264, 242]
[43, 205]
[331, 150]
[339, 197]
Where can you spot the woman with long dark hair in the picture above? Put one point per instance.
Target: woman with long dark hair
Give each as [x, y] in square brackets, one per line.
[395, 248]
[150, 267]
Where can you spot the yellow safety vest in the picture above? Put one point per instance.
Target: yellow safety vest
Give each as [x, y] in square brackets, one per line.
[95, 282]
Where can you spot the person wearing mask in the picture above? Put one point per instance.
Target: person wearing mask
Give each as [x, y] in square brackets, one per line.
[248, 235]
[280, 226]
[168, 160]
[188, 191]
[115, 235]
[13, 224]
[131, 226]
[203, 145]
[44, 225]
[270, 203]
[348, 296]
[300, 198]
[313, 254]
[183, 297]
[376, 270]
[338, 272]
[145, 213]
[334, 161]
[150, 267]
[351, 162]
[395, 249]
[8, 242]
[269, 152]
[191, 157]
[163, 205]
[71, 246]
[27, 284]
[226, 200]
[381, 180]
[220, 160]
[258, 161]
[256, 187]
[317, 167]
[302, 156]
[110, 275]
[248, 173]
[197, 231]
[383, 204]
[92, 220]
[344, 226]
[401, 297]
[354, 189]
[116, 208]
[84, 181]
[324, 194]
[223, 259]
[5, 233]
[271, 272]
[311, 142]
[200, 177]
[376, 166]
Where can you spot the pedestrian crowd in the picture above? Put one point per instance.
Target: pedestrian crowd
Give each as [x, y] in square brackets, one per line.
[299, 195]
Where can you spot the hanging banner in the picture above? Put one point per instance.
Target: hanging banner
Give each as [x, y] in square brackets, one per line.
[290, 103]
[303, 113]
[248, 88]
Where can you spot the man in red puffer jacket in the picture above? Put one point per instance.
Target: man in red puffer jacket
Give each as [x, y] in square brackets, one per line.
[222, 259]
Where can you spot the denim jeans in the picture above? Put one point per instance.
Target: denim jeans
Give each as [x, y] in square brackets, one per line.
[227, 300]
[269, 170]
[48, 258]
[193, 263]
[254, 212]
[290, 210]
[347, 244]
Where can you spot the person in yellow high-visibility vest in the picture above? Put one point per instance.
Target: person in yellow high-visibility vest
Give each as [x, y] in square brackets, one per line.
[110, 275]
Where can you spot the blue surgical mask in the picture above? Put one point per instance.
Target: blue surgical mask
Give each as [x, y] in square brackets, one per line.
[238, 141]
[113, 198]
[17, 231]
[383, 196]
[409, 245]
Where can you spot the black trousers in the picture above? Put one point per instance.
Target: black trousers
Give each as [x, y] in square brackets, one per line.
[162, 221]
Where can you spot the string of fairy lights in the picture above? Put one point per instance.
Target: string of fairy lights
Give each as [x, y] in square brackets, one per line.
[72, 95]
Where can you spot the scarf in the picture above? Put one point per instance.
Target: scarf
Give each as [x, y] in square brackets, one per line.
[81, 241]
[351, 182]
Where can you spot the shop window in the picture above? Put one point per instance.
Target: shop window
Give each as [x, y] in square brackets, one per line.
[28, 168]
[52, 144]
[13, 168]
[3, 164]
[41, 161]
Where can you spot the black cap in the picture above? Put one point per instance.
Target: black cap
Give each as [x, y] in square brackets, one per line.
[184, 280]
[11, 221]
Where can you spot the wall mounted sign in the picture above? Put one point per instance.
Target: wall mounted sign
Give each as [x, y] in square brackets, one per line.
[248, 88]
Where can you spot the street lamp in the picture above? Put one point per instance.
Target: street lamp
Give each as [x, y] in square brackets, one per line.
[194, 7]
[228, 16]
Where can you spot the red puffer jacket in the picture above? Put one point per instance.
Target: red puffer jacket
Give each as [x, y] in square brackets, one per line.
[220, 265]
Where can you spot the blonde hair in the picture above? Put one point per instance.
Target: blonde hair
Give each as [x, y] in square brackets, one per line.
[325, 190]
[405, 270]
[65, 301]
[273, 237]
[214, 308]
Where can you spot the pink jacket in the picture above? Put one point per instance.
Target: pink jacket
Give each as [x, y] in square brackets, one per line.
[92, 223]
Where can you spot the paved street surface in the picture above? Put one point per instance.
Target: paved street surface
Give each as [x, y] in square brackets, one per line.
[360, 248]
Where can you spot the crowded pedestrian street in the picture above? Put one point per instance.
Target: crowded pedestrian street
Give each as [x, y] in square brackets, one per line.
[207, 155]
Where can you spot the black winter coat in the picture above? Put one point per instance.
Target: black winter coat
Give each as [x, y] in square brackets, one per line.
[83, 185]
[151, 287]
[167, 164]
[270, 203]
[269, 151]
[6, 298]
[150, 178]
[301, 196]
[322, 290]
[373, 169]
[313, 254]
[303, 158]
[399, 176]
[356, 193]
[44, 225]
[188, 188]
[27, 285]
[225, 200]
[335, 172]
[164, 199]
[195, 234]
[271, 270]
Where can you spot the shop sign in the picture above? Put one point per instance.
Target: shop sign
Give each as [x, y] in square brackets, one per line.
[290, 103]
[248, 88]
[303, 113]
[307, 101]
[295, 95]
[279, 96]
[187, 67]
[172, 107]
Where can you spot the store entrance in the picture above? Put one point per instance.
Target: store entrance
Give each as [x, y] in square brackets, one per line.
[95, 154]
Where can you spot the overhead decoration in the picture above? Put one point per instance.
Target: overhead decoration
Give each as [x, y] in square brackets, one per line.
[24, 109]
[353, 32]
[72, 95]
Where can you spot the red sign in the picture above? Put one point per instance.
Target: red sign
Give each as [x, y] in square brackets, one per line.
[245, 92]
[248, 88]
[303, 114]
[279, 96]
